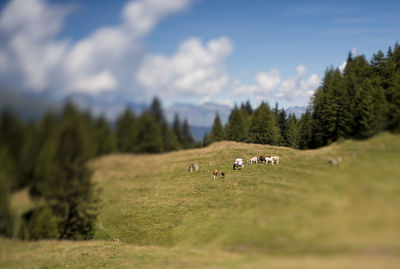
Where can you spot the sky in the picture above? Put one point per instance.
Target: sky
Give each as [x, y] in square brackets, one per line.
[109, 53]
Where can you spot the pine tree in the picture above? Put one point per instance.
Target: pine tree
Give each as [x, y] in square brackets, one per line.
[391, 86]
[187, 139]
[105, 141]
[177, 128]
[170, 141]
[283, 125]
[217, 131]
[306, 139]
[236, 126]
[7, 176]
[12, 138]
[65, 180]
[327, 112]
[126, 132]
[148, 135]
[292, 131]
[156, 111]
[263, 128]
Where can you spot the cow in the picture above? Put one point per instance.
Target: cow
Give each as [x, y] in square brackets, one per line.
[238, 164]
[269, 159]
[335, 162]
[275, 159]
[215, 173]
[252, 160]
[193, 167]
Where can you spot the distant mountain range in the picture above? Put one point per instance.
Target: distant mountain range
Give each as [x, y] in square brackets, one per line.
[296, 110]
[200, 117]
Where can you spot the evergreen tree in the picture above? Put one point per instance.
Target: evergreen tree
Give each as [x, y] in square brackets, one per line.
[236, 126]
[263, 128]
[32, 147]
[247, 107]
[187, 139]
[156, 111]
[126, 132]
[65, 180]
[306, 139]
[217, 131]
[148, 135]
[105, 140]
[177, 128]
[12, 139]
[292, 132]
[283, 125]
[391, 86]
[328, 109]
[7, 174]
[170, 141]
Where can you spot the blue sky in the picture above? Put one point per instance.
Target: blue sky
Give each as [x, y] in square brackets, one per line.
[190, 51]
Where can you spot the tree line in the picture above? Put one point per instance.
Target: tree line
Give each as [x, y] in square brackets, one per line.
[358, 102]
[49, 158]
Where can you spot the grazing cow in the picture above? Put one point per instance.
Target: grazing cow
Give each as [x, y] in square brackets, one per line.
[261, 159]
[252, 160]
[193, 167]
[268, 159]
[215, 174]
[335, 162]
[238, 164]
[222, 174]
[275, 159]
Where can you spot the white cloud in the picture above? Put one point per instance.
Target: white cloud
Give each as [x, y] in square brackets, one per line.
[31, 53]
[342, 66]
[141, 16]
[194, 69]
[27, 29]
[98, 83]
[296, 89]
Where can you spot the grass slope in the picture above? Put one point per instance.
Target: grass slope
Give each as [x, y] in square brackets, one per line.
[302, 213]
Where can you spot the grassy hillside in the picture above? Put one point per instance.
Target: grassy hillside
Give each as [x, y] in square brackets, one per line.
[302, 213]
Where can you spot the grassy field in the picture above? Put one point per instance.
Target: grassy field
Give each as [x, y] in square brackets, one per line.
[302, 213]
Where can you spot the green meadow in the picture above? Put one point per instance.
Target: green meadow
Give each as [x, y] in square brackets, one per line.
[300, 213]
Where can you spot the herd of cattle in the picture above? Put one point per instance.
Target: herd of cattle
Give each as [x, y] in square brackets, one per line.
[239, 164]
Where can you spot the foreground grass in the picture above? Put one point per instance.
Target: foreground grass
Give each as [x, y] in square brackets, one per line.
[106, 254]
[302, 213]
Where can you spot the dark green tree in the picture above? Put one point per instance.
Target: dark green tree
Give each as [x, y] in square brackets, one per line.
[148, 135]
[105, 140]
[7, 174]
[12, 138]
[156, 111]
[187, 139]
[217, 131]
[306, 138]
[177, 128]
[292, 131]
[65, 180]
[126, 132]
[263, 128]
[236, 127]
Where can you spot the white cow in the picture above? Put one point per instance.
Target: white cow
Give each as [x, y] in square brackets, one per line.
[238, 164]
[269, 160]
[252, 160]
[275, 159]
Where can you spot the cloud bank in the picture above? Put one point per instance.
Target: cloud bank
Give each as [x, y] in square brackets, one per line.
[32, 54]
[111, 66]
[270, 85]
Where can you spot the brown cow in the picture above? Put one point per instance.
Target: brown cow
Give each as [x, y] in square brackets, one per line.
[215, 174]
